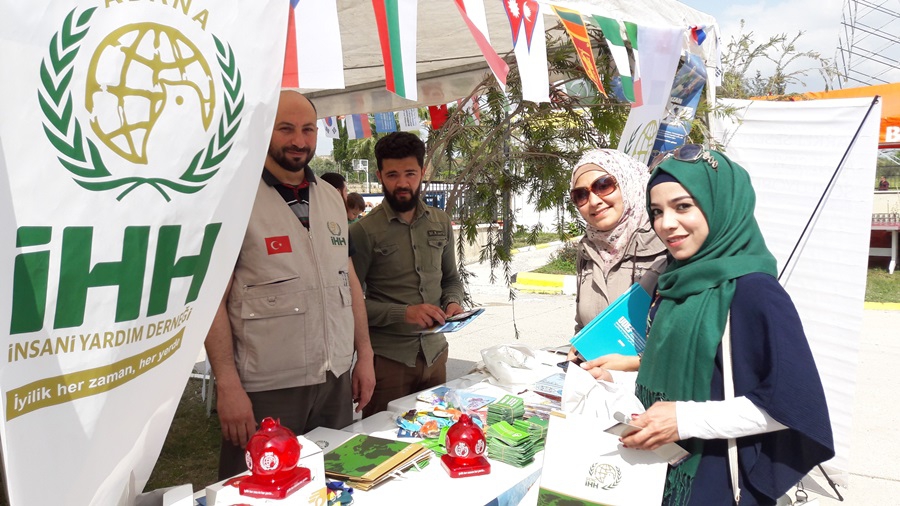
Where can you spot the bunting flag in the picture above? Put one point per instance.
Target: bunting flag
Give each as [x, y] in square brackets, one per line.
[698, 34]
[330, 125]
[358, 126]
[531, 50]
[315, 60]
[409, 120]
[385, 122]
[662, 52]
[396, 20]
[617, 33]
[471, 108]
[574, 25]
[438, 115]
[472, 12]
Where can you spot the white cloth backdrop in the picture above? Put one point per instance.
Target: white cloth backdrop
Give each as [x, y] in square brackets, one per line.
[791, 150]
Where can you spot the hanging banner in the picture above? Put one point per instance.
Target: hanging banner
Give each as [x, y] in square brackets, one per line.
[385, 122]
[526, 20]
[574, 26]
[660, 54]
[330, 124]
[472, 12]
[358, 126]
[314, 58]
[676, 125]
[396, 21]
[131, 141]
[409, 119]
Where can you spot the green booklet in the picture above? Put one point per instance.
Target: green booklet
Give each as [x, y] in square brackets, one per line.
[367, 460]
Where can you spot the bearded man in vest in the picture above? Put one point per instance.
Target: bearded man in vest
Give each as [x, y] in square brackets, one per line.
[281, 344]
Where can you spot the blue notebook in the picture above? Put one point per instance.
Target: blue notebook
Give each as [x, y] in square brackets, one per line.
[620, 328]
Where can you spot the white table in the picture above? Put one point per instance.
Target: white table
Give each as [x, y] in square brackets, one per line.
[506, 485]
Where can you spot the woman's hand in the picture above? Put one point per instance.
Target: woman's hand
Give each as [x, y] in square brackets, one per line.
[613, 361]
[600, 367]
[659, 426]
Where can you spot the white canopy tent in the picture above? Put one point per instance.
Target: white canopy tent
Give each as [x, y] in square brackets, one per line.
[449, 63]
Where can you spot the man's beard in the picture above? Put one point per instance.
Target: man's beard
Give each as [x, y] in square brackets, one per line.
[288, 163]
[401, 206]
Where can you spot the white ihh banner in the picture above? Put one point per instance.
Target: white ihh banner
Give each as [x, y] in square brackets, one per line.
[131, 143]
[792, 150]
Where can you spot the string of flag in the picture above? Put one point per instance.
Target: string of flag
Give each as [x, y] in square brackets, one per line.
[315, 60]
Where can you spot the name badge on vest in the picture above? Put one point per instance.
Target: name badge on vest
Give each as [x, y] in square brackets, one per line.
[279, 244]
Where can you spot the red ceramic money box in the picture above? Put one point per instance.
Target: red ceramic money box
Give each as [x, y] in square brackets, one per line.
[272, 456]
[465, 445]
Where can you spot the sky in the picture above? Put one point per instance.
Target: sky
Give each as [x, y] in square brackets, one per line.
[820, 20]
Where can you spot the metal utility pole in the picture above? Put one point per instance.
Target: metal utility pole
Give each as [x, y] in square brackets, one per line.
[868, 51]
[362, 165]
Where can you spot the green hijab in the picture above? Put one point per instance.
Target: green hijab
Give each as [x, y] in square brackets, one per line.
[696, 293]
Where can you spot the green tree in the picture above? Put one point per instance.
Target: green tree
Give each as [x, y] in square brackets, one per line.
[522, 148]
[743, 53]
[742, 79]
[321, 165]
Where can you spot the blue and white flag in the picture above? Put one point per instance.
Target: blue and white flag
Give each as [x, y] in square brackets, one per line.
[385, 122]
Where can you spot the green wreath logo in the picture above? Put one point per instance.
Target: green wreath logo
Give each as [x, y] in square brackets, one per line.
[80, 155]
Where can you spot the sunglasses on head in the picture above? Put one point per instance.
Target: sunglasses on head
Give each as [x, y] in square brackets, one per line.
[601, 187]
[686, 153]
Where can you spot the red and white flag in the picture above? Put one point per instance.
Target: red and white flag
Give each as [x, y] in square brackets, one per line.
[439, 115]
[472, 12]
[278, 244]
[527, 25]
[313, 57]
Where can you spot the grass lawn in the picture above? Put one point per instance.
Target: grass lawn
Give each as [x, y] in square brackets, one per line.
[522, 239]
[881, 286]
[191, 451]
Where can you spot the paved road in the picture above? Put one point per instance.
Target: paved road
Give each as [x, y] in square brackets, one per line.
[548, 320]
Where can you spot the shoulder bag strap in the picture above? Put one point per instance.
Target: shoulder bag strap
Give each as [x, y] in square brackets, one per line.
[728, 378]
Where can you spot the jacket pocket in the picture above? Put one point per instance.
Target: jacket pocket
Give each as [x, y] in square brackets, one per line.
[274, 329]
[386, 257]
[436, 252]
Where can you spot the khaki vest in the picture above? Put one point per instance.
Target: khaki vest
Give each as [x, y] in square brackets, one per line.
[289, 304]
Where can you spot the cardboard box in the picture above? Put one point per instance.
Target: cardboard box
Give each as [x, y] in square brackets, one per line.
[314, 492]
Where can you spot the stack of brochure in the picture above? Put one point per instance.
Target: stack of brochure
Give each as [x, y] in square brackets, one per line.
[364, 461]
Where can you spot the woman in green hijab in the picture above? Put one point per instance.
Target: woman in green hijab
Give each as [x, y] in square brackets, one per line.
[701, 205]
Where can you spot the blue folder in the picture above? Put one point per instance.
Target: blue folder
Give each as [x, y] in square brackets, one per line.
[620, 328]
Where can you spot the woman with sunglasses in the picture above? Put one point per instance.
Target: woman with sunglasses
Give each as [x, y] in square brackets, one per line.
[618, 248]
[702, 207]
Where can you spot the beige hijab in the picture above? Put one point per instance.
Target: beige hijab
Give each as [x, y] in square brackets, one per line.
[607, 248]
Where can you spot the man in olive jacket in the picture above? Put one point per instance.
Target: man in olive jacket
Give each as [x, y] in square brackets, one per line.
[405, 258]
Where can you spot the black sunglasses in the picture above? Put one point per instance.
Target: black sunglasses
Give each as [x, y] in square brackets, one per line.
[601, 187]
[686, 153]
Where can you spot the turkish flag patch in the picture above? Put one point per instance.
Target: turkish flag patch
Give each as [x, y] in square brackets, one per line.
[279, 244]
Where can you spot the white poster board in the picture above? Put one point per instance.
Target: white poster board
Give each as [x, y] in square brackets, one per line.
[791, 150]
[131, 142]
